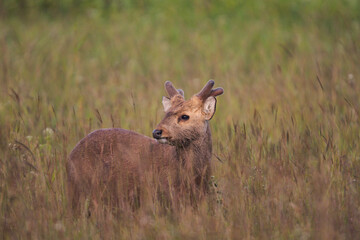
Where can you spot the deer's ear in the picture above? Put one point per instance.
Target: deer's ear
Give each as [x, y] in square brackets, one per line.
[166, 103]
[209, 107]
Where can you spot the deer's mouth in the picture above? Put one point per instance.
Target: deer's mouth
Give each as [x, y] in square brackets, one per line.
[164, 140]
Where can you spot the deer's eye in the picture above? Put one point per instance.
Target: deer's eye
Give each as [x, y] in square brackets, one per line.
[185, 117]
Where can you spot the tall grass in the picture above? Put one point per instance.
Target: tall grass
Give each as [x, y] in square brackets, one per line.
[286, 133]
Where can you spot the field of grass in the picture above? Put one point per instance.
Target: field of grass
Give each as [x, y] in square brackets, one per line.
[286, 133]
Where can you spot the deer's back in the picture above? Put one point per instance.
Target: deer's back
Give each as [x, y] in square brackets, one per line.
[116, 159]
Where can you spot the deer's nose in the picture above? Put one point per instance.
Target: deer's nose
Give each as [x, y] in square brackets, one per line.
[157, 134]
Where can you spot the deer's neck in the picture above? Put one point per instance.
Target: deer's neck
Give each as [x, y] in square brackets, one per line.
[195, 158]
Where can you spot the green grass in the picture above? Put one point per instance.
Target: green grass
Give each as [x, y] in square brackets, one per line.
[287, 128]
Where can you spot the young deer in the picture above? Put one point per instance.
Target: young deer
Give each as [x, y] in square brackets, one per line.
[113, 166]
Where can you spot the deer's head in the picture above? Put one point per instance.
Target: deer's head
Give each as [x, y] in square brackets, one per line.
[186, 120]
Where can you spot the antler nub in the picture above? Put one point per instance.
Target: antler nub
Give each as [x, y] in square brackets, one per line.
[181, 92]
[171, 90]
[207, 91]
[216, 92]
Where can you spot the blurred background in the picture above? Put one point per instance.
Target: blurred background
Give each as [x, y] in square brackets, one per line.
[286, 133]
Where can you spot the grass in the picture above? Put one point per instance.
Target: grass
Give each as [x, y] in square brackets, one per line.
[287, 129]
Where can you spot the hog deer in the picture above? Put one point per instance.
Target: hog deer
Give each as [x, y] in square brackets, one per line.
[112, 166]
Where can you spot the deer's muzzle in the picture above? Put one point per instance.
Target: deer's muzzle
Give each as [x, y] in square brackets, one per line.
[157, 134]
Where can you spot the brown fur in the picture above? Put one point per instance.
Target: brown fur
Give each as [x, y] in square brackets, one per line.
[112, 166]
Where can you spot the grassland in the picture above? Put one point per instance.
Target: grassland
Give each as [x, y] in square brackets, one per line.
[286, 132]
